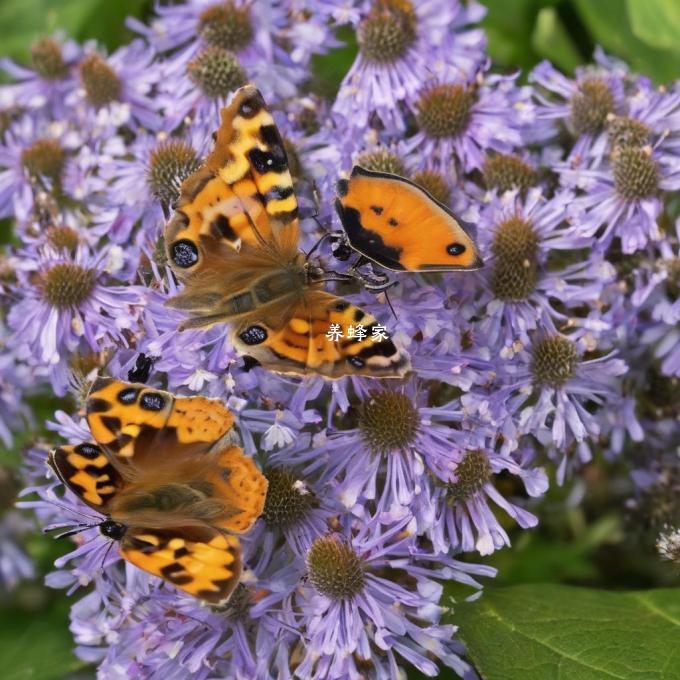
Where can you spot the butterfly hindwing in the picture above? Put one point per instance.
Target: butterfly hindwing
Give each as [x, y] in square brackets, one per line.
[315, 338]
[243, 194]
[87, 472]
[239, 482]
[397, 224]
[199, 560]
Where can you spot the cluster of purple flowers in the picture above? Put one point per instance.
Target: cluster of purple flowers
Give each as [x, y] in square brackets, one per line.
[565, 346]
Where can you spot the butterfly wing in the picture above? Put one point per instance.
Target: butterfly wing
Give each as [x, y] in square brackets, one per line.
[397, 224]
[86, 470]
[199, 560]
[313, 337]
[242, 195]
[136, 423]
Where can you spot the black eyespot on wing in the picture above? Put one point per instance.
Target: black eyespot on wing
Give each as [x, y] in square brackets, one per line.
[357, 362]
[152, 401]
[341, 305]
[455, 249]
[268, 161]
[128, 395]
[88, 450]
[184, 253]
[377, 209]
[96, 405]
[251, 106]
[392, 222]
[359, 314]
[220, 228]
[253, 335]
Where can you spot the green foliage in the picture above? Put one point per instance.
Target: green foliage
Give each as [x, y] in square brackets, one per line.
[22, 21]
[656, 22]
[533, 632]
[37, 645]
[610, 26]
[644, 33]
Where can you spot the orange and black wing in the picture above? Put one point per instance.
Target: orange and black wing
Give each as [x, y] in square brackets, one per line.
[400, 226]
[243, 194]
[322, 335]
[199, 560]
[86, 470]
[135, 423]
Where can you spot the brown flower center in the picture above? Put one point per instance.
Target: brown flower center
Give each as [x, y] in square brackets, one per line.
[590, 106]
[334, 568]
[101, 83]
[68, 285]
[515, 267]
[217, 72]
[444, 111]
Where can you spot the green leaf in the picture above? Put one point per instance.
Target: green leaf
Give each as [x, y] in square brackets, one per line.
[23, 21]
[656, 22]
[534, 632]
[610, 28]
[508, 24]
[551, 40]
[328, 70]
[37, 645]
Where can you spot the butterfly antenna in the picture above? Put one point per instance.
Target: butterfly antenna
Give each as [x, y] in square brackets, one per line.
[73, 511]
[57, 527]
[389, 304]
[78, 529]
[318, 242]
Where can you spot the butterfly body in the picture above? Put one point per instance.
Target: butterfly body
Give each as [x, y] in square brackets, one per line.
[174, 490]
[234, 242]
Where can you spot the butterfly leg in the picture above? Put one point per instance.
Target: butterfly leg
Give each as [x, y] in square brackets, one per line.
[340, 247]
[143, 365]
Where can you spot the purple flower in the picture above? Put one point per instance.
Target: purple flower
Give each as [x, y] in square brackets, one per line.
[350, 612]
[49, 78]
[548, 387]
[15, 564]
[401, 46]
[459, 513]
[66, 304]
[582, 105]
[460, 121]
[622, 198]
[525, 285]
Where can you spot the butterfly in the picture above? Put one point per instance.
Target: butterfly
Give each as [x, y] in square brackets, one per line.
[174, 489]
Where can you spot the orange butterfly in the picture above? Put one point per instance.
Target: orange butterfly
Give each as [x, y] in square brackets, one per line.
[174, 489]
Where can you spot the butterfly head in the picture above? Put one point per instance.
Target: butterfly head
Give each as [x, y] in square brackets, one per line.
[112, 529]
